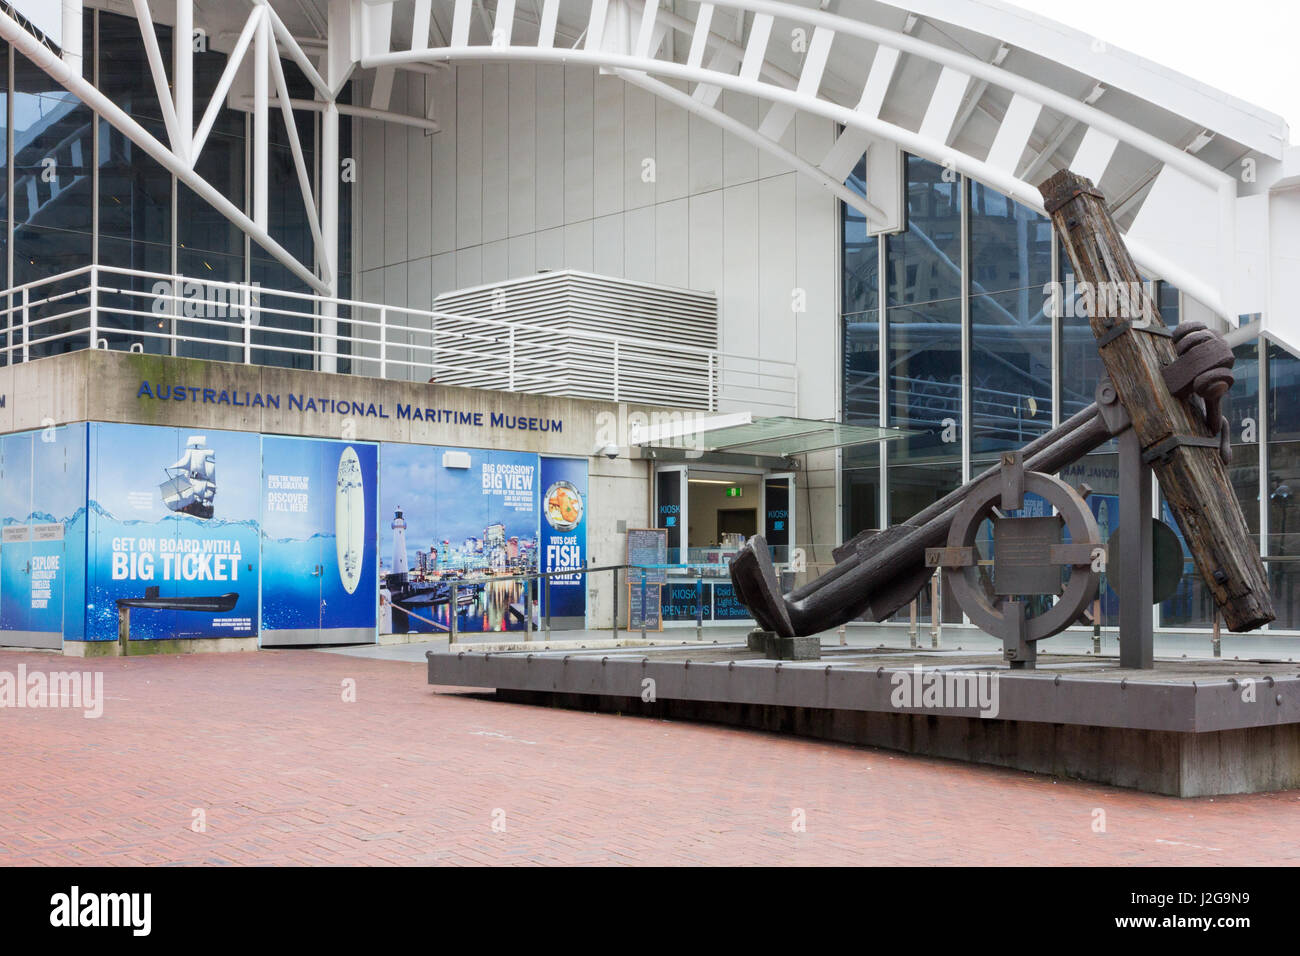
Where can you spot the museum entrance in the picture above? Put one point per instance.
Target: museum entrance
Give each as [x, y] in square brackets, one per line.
[709, 512]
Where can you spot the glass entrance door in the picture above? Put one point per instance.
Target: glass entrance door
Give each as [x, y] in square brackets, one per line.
[671, 506]
[778, 515]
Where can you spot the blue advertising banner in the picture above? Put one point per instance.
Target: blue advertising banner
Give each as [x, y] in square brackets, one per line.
[43, 531]
[455, 515]
[172, 515]
[564, 533]
[319, 520]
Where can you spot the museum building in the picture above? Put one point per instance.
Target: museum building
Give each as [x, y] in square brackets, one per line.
[336, 304]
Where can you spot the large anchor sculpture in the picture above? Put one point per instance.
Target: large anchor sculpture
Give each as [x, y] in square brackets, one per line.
[1163, 400]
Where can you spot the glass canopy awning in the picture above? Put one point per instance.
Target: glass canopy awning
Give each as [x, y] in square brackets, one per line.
[742, 433]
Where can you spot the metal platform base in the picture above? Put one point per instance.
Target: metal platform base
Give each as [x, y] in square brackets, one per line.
[1184, 728]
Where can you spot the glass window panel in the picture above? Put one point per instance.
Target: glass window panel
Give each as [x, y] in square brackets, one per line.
[1100, 472]
[1011, 331]
[924, 261]
[4, 198]
[287, 223]
[923, 324]
[52, 207]
[1010, 247]
[925, 383]
[911, 488]
[1284, 485]
[1167, 304]
[135, 191]
[861, 490]
[1081, 366]
[862, 368]
[861, 255]
[1010, 370]
[345, 236]
[1242, 410]
[208, 245]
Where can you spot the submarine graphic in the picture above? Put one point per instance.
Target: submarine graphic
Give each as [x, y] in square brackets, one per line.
[191, 483]
[153, 601]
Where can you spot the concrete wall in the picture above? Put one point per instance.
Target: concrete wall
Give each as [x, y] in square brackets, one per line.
[104, 386]
[541, 167]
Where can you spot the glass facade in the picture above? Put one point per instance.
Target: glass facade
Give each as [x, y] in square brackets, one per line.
[967, 329]
[81, 193]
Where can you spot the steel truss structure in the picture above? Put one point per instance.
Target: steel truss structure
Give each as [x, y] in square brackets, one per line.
[727, 45]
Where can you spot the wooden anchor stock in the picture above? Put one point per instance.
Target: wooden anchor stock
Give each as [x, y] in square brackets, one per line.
[1182, 449]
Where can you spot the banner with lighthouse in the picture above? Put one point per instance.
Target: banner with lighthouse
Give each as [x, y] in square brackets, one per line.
[455, 516]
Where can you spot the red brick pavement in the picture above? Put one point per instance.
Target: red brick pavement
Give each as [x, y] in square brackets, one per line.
[287, 772]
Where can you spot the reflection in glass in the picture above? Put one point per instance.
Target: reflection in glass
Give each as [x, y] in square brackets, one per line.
[135, 191]
[52, 198]
[1010, 390]
[1193, 604]
[861, 489]
[1283, 488]
[923, 326]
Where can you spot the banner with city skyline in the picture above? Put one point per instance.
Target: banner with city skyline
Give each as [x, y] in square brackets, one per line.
[449, 515]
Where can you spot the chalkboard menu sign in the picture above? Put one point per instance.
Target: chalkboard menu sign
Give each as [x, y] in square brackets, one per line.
[645, 610]
[647, 546]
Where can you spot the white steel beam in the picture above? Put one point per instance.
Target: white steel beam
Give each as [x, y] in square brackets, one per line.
[760, 31]
[852, 143]
[460, 23]
[347, 109]
[295, 147]
[233, 62]
[779, 117]
[504, 25]
[420, 25]
[741, 131]
[546, 28]
[296, 52]
[1094, 154]
[183, 71]
[944, 102]
[158, 72]
[963, 163]
[1013, 134]
[700, 38]
[72, 81]
[261, 128]
[647, 29]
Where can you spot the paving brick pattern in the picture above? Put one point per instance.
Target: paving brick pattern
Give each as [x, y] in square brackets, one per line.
[287, 772]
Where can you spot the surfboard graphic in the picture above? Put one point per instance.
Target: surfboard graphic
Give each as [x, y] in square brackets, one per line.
[349, 519]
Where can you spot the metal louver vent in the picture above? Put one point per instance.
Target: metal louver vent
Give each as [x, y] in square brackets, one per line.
[590, 336]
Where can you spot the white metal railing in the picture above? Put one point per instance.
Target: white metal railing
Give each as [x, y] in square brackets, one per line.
[107, 307]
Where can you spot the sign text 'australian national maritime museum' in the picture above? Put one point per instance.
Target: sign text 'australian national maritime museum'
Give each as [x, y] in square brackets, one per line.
[330, 406]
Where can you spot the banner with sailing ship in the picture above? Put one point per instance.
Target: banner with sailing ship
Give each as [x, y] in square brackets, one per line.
[176, 510]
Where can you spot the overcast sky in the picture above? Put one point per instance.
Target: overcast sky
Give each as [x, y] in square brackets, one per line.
[1247, 48]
